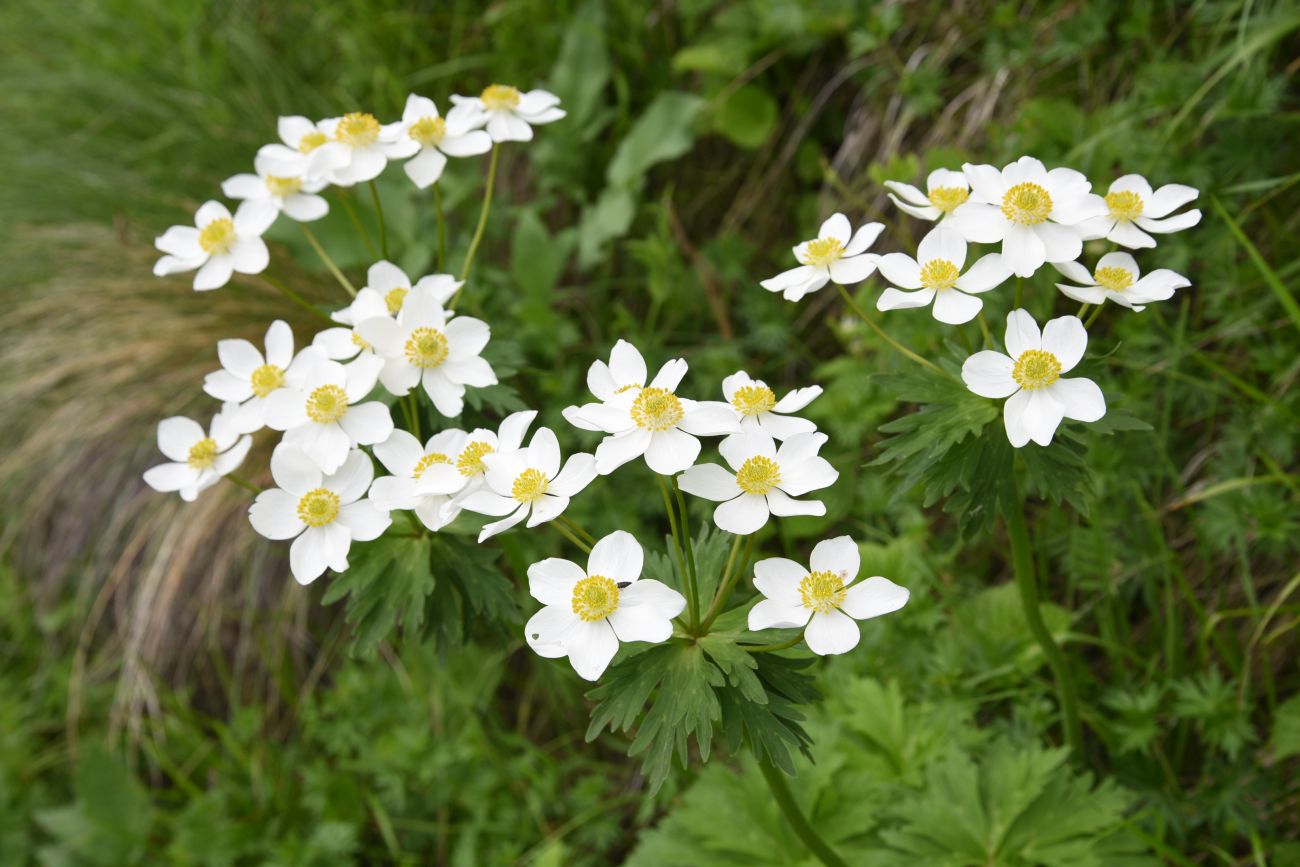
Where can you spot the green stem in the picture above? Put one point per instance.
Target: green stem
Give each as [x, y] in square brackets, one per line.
[1027, 583]
[799, 823]
[848, 299]
[1093, 317]
[691, 603]
[573, 525]
[768, 648]
[725, 586]
[442, 227]
[413, 401]
[1083, 308]
[379, 212]
[1020, 292]
[690, 554]
[563, 531]
[243, 483]
[984, 329]
[329, 263]
[294, 296]
[346, 199]
[482, 220]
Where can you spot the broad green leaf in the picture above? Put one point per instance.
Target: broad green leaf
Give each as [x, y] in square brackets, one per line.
[747, 116]
[664, 131]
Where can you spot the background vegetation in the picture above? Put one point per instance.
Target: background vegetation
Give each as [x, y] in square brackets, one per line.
[169, 695]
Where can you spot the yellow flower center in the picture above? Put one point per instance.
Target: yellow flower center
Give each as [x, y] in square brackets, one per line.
[429, 131]
[656, 409]
[217, 236]
[426, 347]
[529, 485]
[470, 460]
[1126, 205]
[823, 592]
[266, 379]
[359, 341]
[753, 399]
[939, 274]
[429, 460]
[202, 454]
[823, 251]
[1036, 368]
[327, 404]
[758, 475]
[500, 97]
[311, 141]
[318, 507]
[1027, 204]
[393, 299]
[595, 598]
[283, 186]
[357, 129]
[1114, 279]
[949, 199]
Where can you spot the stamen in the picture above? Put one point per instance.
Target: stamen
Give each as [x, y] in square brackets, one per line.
[1027, 204]
[327, 404]
[470, 460]
[1035, 369]
[429, 460]
[426, 348]
[1125, 205]
[753, 399]
[500, 97]
[318, 507]
[217, 236]
[758, 475]
[203, 454]
[529, 485]
[823, 251]
[266, 379]
[429, 131]
[656, 409]
[948, 199]
[357, 129]
[939, 274]
[823, 592]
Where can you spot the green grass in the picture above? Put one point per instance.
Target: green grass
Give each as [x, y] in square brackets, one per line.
[168, 695]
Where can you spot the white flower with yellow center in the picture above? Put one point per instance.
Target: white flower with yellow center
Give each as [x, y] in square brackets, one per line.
[323, 513]
[832, 255]
[1036, 214]
[649, 420]
[286, 189]
[247, 377]
[936, 275]
[218, 244]
[757, 409]
[507, 114]
[384, 295]
[588, 612]
[822, 598]
[198, 459]
[528, 483]
[308, 151]
[323, 415]
[1133, 210]
[1030, 375]
[424, 478]
[765, 479]
[423, 347]
[1118, 279]
[481, 442]
[369, 144]
[946, 191]
[428, 138]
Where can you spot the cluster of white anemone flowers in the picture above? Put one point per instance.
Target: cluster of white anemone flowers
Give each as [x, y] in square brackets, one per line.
[331, 398]
[1037, 217]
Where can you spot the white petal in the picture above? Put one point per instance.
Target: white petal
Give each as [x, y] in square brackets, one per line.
[176, 435]
[778, 578]
[978, 222]
[239, 357]
[1176, 223]
[954, 307]
[214, 274]
[1060, 243]
[627, 365]
[352, 478]
[319, 548]
[367, 423]
[670, 375]
[709, 418]
[985, 182]
[874, 597]
[896, 299]
[551, 581]
[617, 556]
[1023, 250]
[1022, 333]
[836, 226]
[1032, 415]
[988, 374]
[1127, 234]
[166, 478]
[907, 193]
[942, 243]
[901, 270]
[364, 520]
[425, 168]
[831, 633]
[783, 505]
[798, 478]
[618, 449]
[778, 614]
[1080, 398]
[579, 471]
[1169, 198]
[547, 631]
[743, 515]
[400, 453]
[709, 481]
[645, 612]
[798, 399]
[671, 451]
[274, 514]
[1065, 338]
[591, 646]
[852, 269]
[863, 238]
[987, 272]
[504, 524]
[839, 555]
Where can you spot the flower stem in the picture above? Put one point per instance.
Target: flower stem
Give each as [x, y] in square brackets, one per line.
[885, 337]
[346, 199]
[1020, 292]
[768, 648]
[442, 227]
[564, 531]
[1083, 308]
[984, 329]
[1093, 317]
[329, 263]
[413, 401]
[1023, 563]
[379, 212]
[294, 296]
[243, 483]
[691, 602]
[690, 554]
[799, 823]
[482, 220]
[573, 525]
[729, 576]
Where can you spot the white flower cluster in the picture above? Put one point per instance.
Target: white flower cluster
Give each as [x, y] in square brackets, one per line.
[1038, 217]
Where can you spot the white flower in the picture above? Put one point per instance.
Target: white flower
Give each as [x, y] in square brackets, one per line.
[832, 255]
[757, 408]
[508, 114]
[200, 459]
[308, 150]
[528, 483]
[588, 612]
[424, 478]
[765, 481]
[1030, 375]
[1117, 278]
[217, 244]
[322, 416]
[936, 272]
[286, 189]
[423, 347]
[647, 420]
[1131, 206]
[385, 293]
[429, 137]
[369, 144]
[322, 514]
[1033, 212]
[822, 598]
[247, 377]
[946, 190]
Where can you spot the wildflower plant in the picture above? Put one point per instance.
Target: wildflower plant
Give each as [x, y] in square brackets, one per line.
[695, 637]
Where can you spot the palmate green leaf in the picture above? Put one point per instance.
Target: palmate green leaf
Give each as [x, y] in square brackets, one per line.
[1285, 741]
